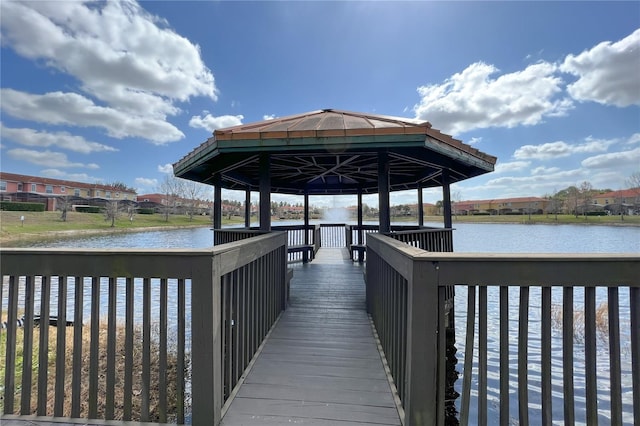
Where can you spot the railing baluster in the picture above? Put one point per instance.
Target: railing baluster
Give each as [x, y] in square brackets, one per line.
[590, 354]
[614, 357]
[545, 344]
[93, 348]
[567, 355]
[523, 349]
[468, 355]
[225, 338]
[146, 350]
[27, 353]
[162, 361]
[504, 355]
[128, 349]
[61, 348]
[111, 351]
[634, 296]
[441, 362]
[78, 318]
[43, 356]
[10, 359]
[181, 351]
[482, 357]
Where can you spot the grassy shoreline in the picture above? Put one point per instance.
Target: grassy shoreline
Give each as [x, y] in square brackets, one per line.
[42, 226]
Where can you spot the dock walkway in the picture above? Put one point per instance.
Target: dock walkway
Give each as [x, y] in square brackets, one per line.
[320, 365]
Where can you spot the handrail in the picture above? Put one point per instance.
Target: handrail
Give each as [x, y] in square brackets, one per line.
[402, 280]
[237, 291]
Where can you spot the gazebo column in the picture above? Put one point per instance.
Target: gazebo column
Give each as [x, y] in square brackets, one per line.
[265, 193]
[383, 192]
[420, 207]
[360, 216]
[446, 199]
[306, 219]
[247, 208]
[217, 201]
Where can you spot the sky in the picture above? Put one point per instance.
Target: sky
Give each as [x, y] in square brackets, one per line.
[119, 91]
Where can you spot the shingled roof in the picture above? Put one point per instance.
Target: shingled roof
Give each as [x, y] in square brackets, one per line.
[333, 152]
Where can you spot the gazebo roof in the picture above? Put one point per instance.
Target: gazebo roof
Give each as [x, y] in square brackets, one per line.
[333, 152]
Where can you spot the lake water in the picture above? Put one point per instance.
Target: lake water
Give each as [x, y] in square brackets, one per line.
[467, 237]
[491, 238]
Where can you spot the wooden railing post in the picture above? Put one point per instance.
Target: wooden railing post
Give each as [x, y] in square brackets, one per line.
[422, 346]
[207, 348]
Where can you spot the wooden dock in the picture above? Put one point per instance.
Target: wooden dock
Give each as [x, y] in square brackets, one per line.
[320, 365]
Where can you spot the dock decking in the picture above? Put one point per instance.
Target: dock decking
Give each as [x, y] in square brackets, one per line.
[320, 365]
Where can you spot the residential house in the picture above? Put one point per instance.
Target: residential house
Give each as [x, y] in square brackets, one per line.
[17, 187]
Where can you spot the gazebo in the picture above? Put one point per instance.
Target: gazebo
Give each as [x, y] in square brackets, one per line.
[332, 152]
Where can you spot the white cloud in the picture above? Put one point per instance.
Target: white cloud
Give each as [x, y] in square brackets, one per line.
[472, 99]
[634, 139]
[76, 177]
[167, 168]
[613, 160]
[474, 140]
[120, 53]
[211, 123]
[268, 116]
[558, 149]
[146, 182]
[514, 166]
[607, 73]
[47, 158]
[35, 138]
[74, 109]
[545, 170]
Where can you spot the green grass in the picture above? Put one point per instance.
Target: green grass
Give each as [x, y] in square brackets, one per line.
[43, 225]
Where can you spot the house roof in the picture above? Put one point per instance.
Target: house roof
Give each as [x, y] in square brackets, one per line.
[13, 177]
[624, 193]
[333, 152]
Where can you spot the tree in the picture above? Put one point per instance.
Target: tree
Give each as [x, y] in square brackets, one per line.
[586, 196]
[191, 192]
[111, 212]
[633, 183]
[171, 189]
[64, 204]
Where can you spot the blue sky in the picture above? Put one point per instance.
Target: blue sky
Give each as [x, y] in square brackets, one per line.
[110, 91]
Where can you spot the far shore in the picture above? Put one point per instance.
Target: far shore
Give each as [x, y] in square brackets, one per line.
[42, 226]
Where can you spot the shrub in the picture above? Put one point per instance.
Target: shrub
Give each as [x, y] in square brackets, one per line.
[146, 211]
[19, 206]
[88, 209]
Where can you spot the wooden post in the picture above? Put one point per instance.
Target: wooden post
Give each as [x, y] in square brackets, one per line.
[207, 354]
[217, 201]
[359, 217]
[247, 209]
[305, 254]
[420, 207]
[446, 199]
[383, 192]
[421, 390]
[265, 193]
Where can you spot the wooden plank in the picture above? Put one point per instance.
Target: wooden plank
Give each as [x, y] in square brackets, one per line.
[320, 365]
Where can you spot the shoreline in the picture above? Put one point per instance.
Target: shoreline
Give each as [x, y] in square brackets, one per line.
[16, 240]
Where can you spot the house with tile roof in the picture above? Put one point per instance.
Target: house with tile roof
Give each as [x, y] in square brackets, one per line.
[17, 187]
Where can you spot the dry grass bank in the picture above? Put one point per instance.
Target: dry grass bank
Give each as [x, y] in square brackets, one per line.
[154, 404]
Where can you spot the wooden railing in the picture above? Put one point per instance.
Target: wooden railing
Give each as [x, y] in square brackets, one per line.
[133, 315]
[429, 239]
[410, 299]
[332, 235]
